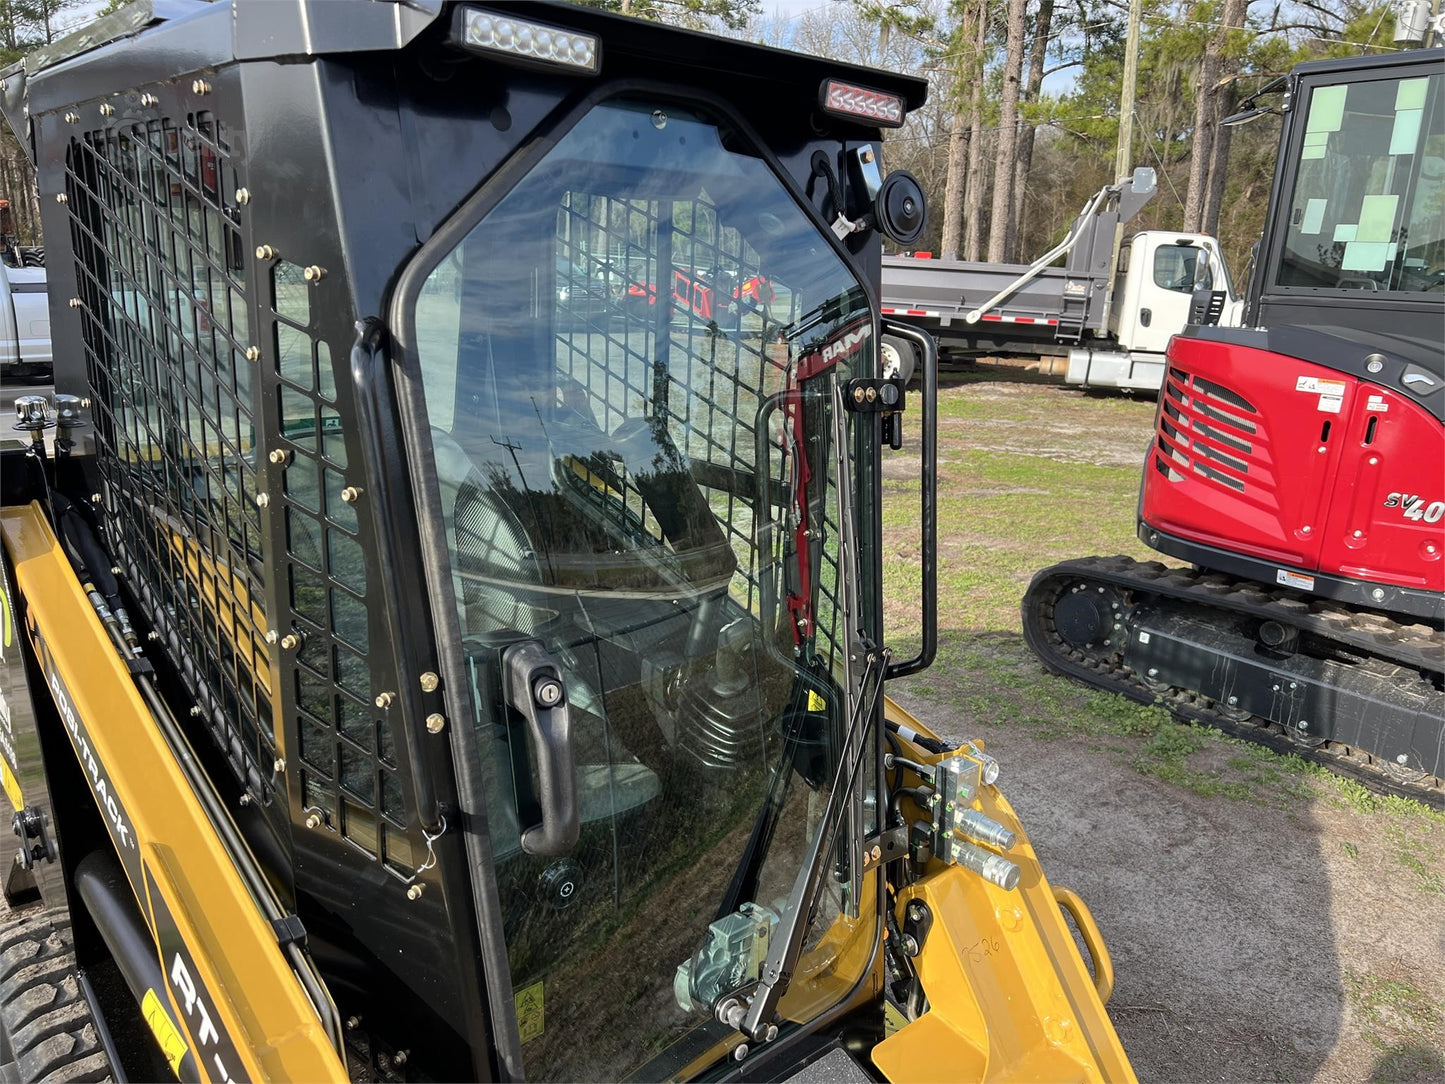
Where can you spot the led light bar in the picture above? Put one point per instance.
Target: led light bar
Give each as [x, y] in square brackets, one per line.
[528, 42]
[850, 100]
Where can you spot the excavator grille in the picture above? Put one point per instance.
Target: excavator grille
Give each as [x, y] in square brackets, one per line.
[1205, 430]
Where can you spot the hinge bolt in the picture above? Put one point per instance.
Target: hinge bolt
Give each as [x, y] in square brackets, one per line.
[278, 765]
[262, 500]
[272, 636]
[196, 711]
[1403, 758]
[1233, 700]
[149, 100]
[430, 683]
[313, 821]
[107, 110]
[290, 641]
[353, 1022]
[72, 118]
[414, 892]
[314, 273]
[200, 86]
[243, 196]
[350, 494]
[252, 353]
[279, 457]
[245, 799]
[266, 252]
[61, 197]
[75, 302]
[96, 498]
[116, 570]
[399, 1058]
[384, 700]
[436, 723]
[153, 636]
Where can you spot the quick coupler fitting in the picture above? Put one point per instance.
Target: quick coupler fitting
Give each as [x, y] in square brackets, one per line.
[991, 867]
[985, 829]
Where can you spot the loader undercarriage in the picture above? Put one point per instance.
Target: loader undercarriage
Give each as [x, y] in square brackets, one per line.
[1355, 690]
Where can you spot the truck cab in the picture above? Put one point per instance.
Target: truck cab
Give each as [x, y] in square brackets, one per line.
[24, 323]
[1157, 276]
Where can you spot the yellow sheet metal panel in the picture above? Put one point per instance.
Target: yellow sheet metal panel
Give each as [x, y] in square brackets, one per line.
[229, 983]
[1010, 997]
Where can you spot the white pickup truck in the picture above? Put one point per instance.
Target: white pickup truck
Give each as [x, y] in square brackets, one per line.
[24, 324]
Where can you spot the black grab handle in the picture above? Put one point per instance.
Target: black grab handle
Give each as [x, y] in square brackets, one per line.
[924, 659]
[532, 682]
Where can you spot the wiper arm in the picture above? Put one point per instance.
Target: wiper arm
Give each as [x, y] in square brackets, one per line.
[754, 1019]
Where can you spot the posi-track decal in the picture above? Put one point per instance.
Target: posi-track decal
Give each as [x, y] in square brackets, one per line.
[117, 820]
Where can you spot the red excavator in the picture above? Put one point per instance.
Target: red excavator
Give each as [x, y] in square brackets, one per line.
[1298, 462]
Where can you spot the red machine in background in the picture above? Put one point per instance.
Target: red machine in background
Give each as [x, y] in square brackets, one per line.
[1298, 463]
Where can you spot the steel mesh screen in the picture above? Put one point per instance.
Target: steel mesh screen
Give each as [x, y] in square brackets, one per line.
[165, 323]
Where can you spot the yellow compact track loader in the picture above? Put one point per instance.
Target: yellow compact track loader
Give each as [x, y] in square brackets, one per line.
[442, 631]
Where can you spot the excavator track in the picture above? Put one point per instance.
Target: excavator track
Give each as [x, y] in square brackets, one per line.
[1266, 661]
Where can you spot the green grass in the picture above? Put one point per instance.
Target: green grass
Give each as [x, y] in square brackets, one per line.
[1392, 1012]
[1030, 476]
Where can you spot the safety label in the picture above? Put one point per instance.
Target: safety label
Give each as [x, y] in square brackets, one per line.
[1319, 386]
[1293, 579]
[1331, 404]
[1377, 404]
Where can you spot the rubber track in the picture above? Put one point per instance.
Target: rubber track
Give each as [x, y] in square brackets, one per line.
[47, 1022]
[1417, 646]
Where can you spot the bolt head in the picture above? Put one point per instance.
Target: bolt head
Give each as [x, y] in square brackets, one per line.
[430, 682]
[290, 641]
[149, 100]
[262, 500]
[352, 1023]
[200, 86]
[107, 110]
[1233, 700]
[351, 494]
[314, 273]
[278, 765]
[266, 252]
[75, 302]
[415, 891]
[278, 456]
[435, 723]
[272, 636]
[1303, 724]
[1403, 758]
[740, 1051]
[313, 821]
[96, 498]
[252, 353]
[384, 699]
[61, 197]
[1377, 594]
[243, 196]
[196, 711]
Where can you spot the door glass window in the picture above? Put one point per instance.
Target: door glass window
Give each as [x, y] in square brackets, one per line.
[1368, 207]
[628, 368]
[1174, 267]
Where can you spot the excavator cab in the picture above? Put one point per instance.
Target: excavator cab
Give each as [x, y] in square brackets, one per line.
[447, 585]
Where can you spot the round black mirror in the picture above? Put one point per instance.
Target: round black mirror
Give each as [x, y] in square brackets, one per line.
[899, 208]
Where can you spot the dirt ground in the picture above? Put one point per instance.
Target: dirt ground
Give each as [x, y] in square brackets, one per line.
[1267, 923]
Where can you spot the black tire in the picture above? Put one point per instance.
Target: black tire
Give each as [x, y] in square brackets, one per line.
[47, 1032]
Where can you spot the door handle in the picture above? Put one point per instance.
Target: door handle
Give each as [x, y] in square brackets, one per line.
[532, 684]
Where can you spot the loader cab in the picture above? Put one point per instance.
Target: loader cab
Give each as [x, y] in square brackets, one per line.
[1159, 274]
[526, 618]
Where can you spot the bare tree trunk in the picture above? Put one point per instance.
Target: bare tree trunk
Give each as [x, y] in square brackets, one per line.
[1000, 218]
[973, 201]
[953, 187]
[960, 139]
[1025, 156]
[1218, 167]
[1206, 114]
